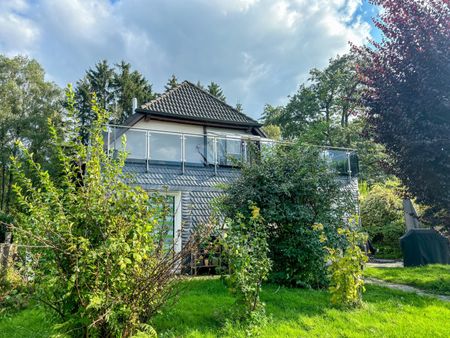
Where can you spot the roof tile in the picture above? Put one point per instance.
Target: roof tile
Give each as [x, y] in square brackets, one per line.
[189, 101]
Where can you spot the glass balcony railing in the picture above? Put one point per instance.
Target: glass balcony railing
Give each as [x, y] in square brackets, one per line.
[175, 148]
[214, 150]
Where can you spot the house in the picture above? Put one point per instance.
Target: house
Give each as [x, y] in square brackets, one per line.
[185, 143]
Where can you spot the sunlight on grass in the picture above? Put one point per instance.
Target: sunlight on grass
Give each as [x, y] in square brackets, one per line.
[433, 278]
[201, 312]
[204, 306]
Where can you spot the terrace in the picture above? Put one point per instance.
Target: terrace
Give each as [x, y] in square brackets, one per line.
[213, 150]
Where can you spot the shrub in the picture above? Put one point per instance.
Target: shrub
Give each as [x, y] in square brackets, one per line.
[382, 218]
[346, 269]
[246, 248]
[104, 263]
[294, 189]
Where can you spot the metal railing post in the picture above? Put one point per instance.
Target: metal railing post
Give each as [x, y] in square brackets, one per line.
[349, 171]
[183, 149]
[147, 150]
[215, 154]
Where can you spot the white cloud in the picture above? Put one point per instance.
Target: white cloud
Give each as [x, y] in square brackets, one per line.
[18, 34]
[258, 50]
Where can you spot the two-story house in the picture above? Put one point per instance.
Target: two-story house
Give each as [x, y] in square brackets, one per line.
[184, 143]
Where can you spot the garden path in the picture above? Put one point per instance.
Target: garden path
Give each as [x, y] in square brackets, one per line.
[405, 288]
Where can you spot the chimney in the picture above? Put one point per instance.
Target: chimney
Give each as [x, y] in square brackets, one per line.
[134, 105]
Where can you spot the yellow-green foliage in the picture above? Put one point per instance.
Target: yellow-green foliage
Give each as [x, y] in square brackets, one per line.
[102, 265]
[246, 248]
[346, 268]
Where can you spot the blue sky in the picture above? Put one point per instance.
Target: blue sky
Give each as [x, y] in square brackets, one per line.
[259, 51]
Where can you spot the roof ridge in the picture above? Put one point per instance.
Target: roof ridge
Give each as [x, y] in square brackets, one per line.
[217, 99]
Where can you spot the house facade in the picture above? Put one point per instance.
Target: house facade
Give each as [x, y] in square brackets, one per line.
[185, 144]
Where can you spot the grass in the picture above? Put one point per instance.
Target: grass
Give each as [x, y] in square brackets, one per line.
[31, 322]
[202, 310]
[433, 278]
[299, 313]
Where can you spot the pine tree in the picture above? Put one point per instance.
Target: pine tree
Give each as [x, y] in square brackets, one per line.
[171, 83]
[215, 90]
[127, 85]
[100, 80]
[115, 88]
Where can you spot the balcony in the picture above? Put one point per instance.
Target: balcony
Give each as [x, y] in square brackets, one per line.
[199, 150]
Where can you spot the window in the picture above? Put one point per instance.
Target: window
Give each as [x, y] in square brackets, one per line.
[170, 210]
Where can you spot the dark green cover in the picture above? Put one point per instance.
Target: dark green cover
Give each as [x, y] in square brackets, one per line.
[424, 246]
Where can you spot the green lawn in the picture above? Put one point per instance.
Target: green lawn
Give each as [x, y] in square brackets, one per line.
[203, 307]
[31, 322]
[433, 278]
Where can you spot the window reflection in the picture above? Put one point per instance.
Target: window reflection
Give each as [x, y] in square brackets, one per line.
[194, 148]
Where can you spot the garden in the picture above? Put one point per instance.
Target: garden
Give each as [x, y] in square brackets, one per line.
[293, 312]
[89, 253]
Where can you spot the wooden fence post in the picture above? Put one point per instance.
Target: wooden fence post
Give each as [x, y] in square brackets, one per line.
[4, 252]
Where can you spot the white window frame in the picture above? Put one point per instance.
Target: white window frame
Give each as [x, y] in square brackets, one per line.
[177, 218]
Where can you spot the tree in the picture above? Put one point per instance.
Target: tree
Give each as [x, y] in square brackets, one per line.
[100, 80]
[27, 101]
[294, 188]
[115, 87]
[100, 246]
[127, 85]
[171, 83]
[328, 111]
[199, 85]
[272, 131]
[408, 81]
[382, 218]
[320, 111]
[215, 90]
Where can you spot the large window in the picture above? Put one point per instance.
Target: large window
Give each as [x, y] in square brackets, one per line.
[169, 213]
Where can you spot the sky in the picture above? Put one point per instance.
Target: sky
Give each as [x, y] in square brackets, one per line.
[259, 51]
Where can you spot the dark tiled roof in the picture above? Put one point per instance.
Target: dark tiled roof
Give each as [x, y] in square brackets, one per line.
[191, 102]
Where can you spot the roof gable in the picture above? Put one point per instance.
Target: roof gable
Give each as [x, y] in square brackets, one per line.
[187, 101]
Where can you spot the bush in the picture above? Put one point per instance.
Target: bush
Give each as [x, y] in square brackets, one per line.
[346, 269]
[382, 218]
[103, 263]
[246, 249]
[294, 189]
